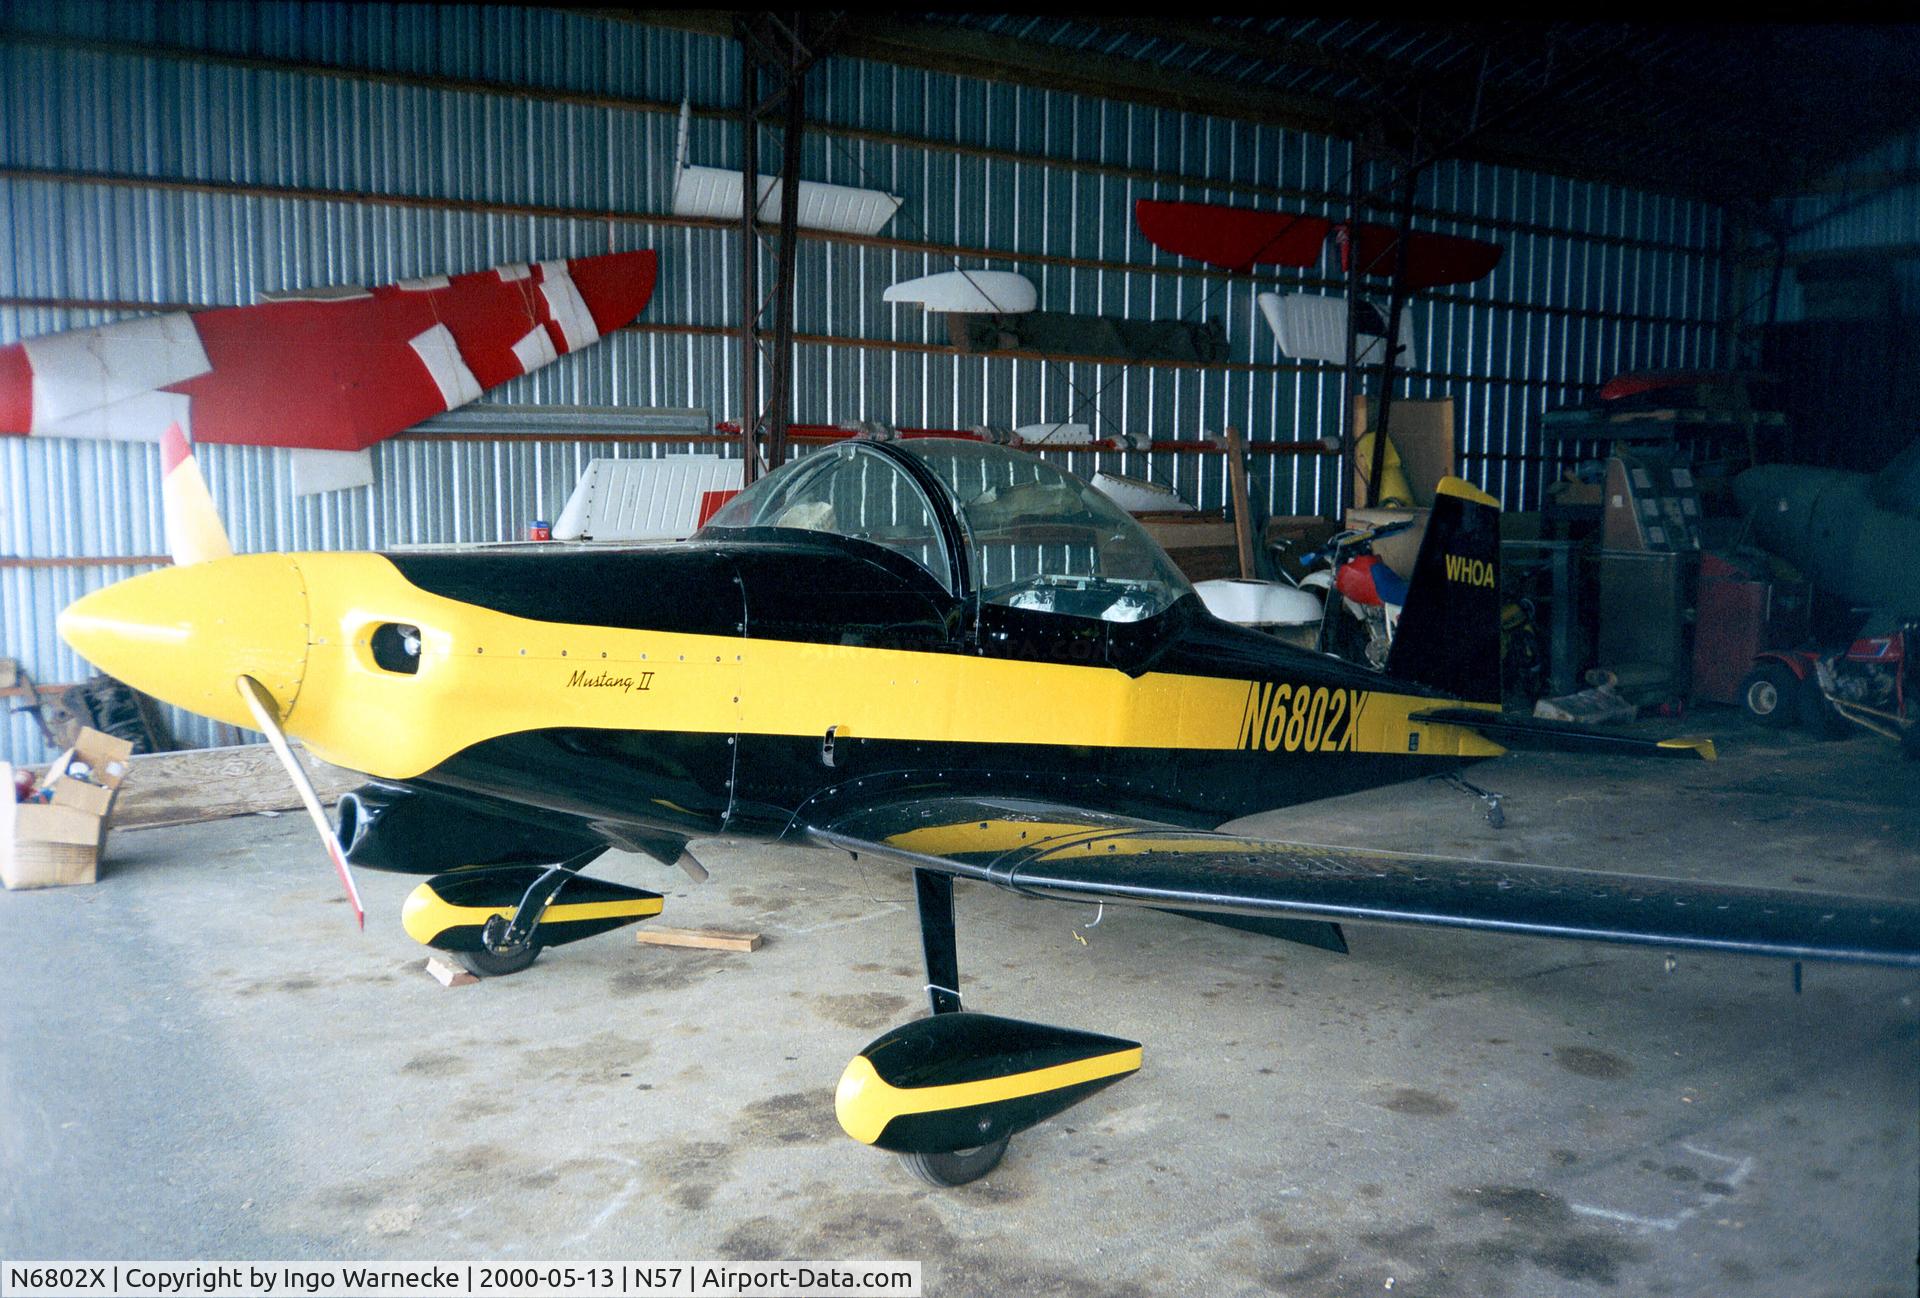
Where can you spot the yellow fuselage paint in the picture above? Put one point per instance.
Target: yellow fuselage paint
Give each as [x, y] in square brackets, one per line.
[484, 674]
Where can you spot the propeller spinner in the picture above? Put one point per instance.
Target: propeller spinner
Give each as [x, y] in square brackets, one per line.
[222, 635]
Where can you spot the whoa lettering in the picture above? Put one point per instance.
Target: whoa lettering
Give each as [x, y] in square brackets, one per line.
[1474, 572]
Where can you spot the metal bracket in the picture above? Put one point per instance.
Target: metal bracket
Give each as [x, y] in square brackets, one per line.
[1496, 816]
[826, 747]
[502, 936]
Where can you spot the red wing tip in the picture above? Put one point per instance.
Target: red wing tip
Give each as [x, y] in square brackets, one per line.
[173, 448]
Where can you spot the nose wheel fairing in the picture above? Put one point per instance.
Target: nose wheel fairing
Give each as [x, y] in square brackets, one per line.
[504, 910]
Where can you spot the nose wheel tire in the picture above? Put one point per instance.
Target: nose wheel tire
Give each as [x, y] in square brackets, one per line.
[958, 1167]
[488, 964]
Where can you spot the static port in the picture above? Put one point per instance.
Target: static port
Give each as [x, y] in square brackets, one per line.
[396, 647]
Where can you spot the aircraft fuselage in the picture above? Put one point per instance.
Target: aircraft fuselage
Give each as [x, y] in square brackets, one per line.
[708, 688]
[730, 687]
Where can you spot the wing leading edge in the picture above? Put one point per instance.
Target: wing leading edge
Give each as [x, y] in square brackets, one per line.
[1062, 853]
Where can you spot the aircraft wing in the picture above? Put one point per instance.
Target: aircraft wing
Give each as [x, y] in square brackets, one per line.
[1065, 854]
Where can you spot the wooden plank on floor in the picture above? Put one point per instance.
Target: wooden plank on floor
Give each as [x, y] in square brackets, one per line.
[200, 784]
[709, 939]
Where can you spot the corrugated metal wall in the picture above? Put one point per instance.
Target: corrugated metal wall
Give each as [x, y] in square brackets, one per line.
[1862, 207]
[1848, 316]
[278, 170]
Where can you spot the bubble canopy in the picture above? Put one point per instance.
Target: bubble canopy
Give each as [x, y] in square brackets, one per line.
[979, 519]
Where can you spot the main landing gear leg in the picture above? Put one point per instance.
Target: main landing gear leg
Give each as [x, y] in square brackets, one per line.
[513, 944]
[934, 892]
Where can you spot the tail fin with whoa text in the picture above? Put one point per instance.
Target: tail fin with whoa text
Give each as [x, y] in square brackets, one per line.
[1449, 632]
[1449, 635]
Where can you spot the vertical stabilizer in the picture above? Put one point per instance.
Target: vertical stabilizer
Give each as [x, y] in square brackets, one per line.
[1449, 633]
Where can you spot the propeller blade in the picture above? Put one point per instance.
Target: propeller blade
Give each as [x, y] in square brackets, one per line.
[267, 713]
[194, 530]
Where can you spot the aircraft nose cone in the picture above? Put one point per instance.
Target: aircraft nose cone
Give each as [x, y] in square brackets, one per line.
[185, 634]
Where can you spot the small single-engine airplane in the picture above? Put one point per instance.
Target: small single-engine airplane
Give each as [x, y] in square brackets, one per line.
[945, 654]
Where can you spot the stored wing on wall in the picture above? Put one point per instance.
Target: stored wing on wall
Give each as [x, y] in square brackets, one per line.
[334, 369]
[1240, 238]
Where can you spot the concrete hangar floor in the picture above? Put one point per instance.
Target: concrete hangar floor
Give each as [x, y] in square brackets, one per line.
[200, 1057]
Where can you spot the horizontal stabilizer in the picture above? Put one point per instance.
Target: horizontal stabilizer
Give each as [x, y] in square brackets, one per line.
[1517, 730]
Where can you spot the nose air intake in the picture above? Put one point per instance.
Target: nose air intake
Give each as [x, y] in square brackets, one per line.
[185, 634]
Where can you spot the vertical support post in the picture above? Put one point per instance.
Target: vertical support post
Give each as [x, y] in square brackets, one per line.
[775, 43]
[934, 893]
[780, 394]
[1784, 450]
[1350, 373]
[1242, 502]
[1397, 305]
[749, 262]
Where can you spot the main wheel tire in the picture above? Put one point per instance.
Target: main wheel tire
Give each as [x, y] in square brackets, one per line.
[486, 964]
[1768, 694]
[959, 1167]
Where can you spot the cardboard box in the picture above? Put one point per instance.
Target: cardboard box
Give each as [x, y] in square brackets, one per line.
[1202, 546]
[48, 846]
[58, 842]
[1422, 431]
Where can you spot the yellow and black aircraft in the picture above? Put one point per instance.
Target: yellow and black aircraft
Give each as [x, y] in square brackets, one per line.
[941, 653]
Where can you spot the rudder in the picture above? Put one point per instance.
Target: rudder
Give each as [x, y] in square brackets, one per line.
[1449, 633]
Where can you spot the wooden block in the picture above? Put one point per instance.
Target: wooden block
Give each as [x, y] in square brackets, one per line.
[449, 975]
[710, 939]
